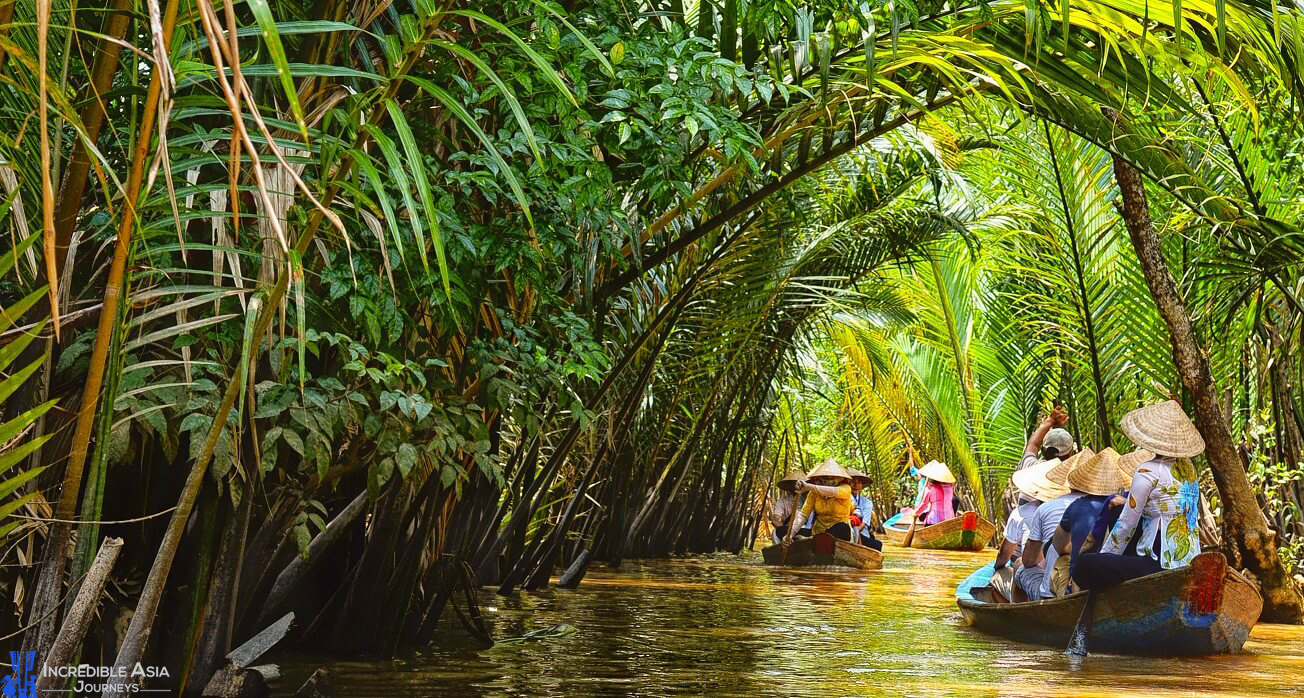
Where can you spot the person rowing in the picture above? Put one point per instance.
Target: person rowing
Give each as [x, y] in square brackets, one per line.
[784, 506]
[938, 505]
[828, 498]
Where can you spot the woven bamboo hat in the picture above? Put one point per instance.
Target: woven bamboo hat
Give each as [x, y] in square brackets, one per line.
[1099, 475]
[1128, 462]
[1164, 429]
[1059, 475]
[938, 472]
[829, 468]
[1032, 481]
[789, 481]
[857, 475]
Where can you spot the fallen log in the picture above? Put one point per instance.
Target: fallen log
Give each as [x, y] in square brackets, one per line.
[79, 616]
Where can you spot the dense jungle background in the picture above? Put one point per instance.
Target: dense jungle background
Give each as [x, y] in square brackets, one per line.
[352, 307]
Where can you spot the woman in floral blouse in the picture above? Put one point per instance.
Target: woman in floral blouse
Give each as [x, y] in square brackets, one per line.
[1158, 526]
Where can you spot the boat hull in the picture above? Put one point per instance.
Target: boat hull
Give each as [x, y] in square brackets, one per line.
[823, 549]
[951, 534]
[1202, 609]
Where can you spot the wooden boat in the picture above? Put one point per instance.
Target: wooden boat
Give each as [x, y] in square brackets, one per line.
[1202, 609]
[894, 529]
[823, 549]
[969, 531]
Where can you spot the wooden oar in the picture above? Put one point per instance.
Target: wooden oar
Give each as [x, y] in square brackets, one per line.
[910, 533]
[1080, 640]
[787, 540]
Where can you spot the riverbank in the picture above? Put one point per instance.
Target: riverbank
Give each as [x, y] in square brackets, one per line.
[725, 625]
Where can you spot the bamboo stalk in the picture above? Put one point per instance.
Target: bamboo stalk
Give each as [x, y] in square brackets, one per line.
[133, 645]
[50, 582]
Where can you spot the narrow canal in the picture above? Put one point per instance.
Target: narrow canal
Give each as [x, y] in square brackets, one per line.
[726, 625]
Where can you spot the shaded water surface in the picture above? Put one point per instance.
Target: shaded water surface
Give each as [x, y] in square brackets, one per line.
[726, 625]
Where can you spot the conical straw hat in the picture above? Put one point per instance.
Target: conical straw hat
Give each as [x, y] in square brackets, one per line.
[1163, 428]
[1059, 475]
[789, 481]
[1032, 481]
[1128, 463]
[1099, 475]
[829, 468]
[857, 475]
[938, 472]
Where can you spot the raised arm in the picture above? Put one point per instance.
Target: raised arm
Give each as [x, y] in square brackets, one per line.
[1057, 418]
[1121, 533]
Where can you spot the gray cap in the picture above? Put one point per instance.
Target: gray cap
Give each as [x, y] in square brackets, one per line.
[1061, 441]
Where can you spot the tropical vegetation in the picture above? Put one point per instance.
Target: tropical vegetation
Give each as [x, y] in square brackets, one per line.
[351, 308]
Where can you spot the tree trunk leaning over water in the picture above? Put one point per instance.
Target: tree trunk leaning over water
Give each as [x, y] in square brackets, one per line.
[1248, 541]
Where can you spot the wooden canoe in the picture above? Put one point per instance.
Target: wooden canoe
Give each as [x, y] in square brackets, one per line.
[968, 531]
[823, 549]
[894, 529]
[1202, 609]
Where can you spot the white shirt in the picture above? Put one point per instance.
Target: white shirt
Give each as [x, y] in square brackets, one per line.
[1041, 528]
[1016, 525]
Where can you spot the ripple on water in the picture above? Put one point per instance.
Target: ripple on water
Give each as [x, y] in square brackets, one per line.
[722, 625]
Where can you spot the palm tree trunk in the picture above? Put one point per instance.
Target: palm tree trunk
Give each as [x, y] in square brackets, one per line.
[1249, 541]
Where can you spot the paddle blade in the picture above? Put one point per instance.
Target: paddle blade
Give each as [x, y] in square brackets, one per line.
[1080, 640]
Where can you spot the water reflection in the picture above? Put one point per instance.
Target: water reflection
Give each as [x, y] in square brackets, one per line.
[728, 626]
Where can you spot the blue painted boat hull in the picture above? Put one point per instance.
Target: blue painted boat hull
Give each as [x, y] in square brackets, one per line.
[1202, 609]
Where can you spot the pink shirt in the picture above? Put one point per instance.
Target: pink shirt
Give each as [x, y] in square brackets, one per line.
[937, 499]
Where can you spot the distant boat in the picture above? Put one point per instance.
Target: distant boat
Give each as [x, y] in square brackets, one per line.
[1202, 609]
[968, 531]
[823, 549]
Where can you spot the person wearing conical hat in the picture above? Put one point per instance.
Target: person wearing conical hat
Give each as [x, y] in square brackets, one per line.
[937, 505]
[1034, 488]
[1099, 479]
[828, 498]
[1127, 465]
[784, 504]
[862, 511]
[1160, 515]
[1039, 557]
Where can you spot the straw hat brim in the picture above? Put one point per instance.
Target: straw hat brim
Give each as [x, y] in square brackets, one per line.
[789, 482]
[938, 472]
[1099, 475]
[1164, 429]
[857, 475]
[1128, 462]
[1032, 481]
[1059, 475]
[829, 468]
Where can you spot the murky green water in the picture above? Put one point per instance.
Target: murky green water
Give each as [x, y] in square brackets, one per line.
[729, 626]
